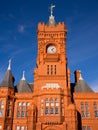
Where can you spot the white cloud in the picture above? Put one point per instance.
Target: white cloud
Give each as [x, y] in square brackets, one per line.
[21, 28]
[17, 52]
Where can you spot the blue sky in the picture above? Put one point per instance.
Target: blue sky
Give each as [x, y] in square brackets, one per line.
[18, 38]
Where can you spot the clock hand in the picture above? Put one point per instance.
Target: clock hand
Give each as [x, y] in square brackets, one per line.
[52, 49]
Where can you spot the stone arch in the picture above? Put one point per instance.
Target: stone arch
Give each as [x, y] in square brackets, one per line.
[50, 44]
[52, 128]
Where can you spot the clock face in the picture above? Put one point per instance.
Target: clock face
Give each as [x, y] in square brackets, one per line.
[51, 49]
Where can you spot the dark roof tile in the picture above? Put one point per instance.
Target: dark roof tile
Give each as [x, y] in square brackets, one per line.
[82, 86]
[8, 80]
[23, 86]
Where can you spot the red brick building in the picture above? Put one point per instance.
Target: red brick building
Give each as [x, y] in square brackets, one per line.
[52, 102]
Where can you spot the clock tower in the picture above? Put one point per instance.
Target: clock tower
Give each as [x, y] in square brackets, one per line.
[52, 59]
[52, 77]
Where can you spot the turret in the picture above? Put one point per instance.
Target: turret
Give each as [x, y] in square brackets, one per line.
[23, 86]
[80, 84]
[9, 79]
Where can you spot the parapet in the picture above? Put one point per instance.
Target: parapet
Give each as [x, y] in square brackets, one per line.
[61, 26]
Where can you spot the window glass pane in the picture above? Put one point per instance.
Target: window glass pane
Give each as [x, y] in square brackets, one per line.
[87, 114]
[86, 105]
[22, 114]
[83, 127]
[19, 108]
[57, 104]
[96, 113]
[51, 99]
[18, 114]
[2, 102]
[46, 99]
[82, 105]
[19, 104]
[17, 127]
[47, 104]
[28, 103]
[0, 127]
[2, 106]
[46, 111]
[88, 128]
[56, 111]
[51, 111]
[23, 108]
[95, 105]
[82, 114]
[24, 104]
[56, 100]
[1, 112]
[22, 127]
[51, 104]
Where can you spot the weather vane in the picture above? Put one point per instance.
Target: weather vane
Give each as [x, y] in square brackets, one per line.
[51, 8]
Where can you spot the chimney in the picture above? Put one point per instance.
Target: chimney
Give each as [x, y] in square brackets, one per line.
[77, 74]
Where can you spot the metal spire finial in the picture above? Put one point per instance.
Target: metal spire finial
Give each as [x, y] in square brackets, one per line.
[23, 76]
[51, 17]
[9, 66]
[80, 76]
[51, 8]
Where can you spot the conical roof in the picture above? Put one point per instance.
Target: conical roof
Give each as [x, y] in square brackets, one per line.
[8, 80]
[23, 86]
[82, 86]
